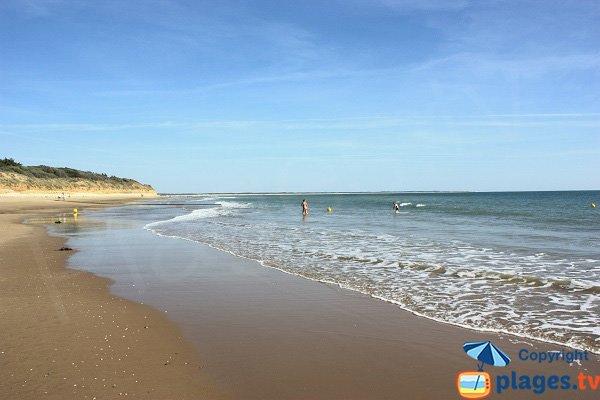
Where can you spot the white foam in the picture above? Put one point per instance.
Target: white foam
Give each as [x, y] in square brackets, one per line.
[437, 279]
[226, 208]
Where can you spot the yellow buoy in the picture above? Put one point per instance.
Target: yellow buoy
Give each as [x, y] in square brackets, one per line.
[74, 211]
[593, 205]
[329, 210]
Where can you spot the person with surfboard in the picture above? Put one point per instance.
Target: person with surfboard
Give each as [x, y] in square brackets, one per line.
[396, 207]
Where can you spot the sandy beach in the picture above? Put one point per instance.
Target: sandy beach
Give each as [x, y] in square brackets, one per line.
[299, 200]
[64, 336]
[236, 329]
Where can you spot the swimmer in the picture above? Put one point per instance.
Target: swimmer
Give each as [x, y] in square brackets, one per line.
[304, 205]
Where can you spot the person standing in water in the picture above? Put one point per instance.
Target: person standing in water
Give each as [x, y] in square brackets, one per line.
[396, 207]
[304, 205]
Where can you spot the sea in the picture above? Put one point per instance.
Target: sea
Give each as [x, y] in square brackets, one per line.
[522, 263]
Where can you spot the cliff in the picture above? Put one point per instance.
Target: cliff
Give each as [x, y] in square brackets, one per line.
[17, 178]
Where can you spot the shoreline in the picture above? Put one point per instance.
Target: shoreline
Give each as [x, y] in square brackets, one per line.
[263, 264]
[65, 335]
[268, 334]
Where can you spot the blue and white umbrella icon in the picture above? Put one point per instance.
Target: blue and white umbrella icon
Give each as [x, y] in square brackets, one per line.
[486, 353]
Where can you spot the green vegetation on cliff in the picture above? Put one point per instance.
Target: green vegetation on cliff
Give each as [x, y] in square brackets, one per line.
[17, 177]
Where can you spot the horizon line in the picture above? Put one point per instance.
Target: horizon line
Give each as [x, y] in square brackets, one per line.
[372, 192]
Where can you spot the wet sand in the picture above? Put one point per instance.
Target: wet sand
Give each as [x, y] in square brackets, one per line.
[264, 334]
[64, 336]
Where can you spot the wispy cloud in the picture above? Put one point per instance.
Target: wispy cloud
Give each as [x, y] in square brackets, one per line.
[520, 27]
[348, 123]
[218, 28]
[523, 65]
[298, 76]
[36, 8]
[407, 6]
[478, 66]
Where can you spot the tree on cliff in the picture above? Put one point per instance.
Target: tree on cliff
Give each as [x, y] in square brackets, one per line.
[9, 162]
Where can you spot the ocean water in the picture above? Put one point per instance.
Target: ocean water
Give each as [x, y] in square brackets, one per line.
[525, 263]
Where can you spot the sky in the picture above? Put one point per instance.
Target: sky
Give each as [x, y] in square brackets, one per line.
[327, 95]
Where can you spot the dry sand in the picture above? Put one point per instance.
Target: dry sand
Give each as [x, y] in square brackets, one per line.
[65, 337]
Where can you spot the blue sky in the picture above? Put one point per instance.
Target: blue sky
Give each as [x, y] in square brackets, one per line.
[348, 95]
